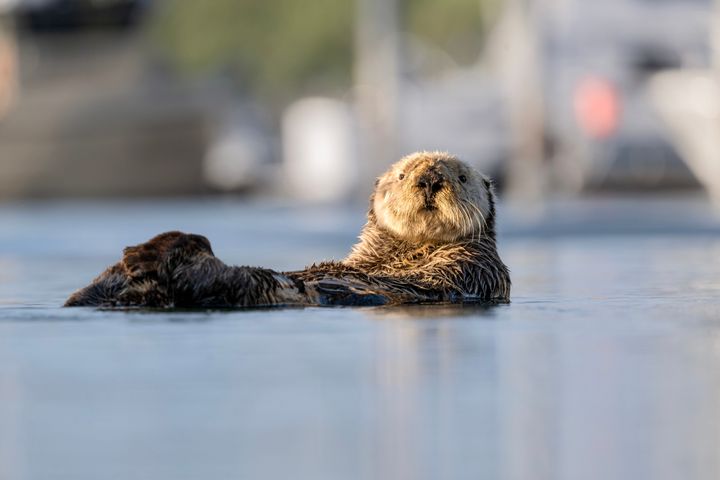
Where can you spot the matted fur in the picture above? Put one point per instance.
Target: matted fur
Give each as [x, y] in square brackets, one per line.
[429, 237]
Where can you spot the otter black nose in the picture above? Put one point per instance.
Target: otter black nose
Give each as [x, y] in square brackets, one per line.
[430, 182]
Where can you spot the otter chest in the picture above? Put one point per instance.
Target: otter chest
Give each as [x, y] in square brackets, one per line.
[416, 260]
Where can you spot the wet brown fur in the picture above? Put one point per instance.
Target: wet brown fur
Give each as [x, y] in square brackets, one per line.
[429, 237]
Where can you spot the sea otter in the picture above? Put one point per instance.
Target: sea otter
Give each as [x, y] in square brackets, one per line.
[429, 237]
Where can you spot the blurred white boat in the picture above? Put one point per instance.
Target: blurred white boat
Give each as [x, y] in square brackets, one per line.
[689, 103]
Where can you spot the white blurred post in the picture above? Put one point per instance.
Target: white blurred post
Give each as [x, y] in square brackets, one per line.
[715, 37]
[377, 81]
[319, 151]
[514, 52]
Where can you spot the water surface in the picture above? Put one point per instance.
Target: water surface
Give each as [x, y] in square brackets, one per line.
[604, 366]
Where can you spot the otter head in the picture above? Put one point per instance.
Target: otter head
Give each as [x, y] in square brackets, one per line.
[432, 197]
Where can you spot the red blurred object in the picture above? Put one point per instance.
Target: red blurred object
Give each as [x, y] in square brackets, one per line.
[597, 107]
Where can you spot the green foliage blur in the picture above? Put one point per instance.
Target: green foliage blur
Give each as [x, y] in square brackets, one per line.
[282, 48]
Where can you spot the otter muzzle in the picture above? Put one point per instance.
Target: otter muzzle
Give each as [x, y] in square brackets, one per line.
[430, 183]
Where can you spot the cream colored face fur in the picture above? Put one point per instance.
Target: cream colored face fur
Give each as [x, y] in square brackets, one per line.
[457, 210]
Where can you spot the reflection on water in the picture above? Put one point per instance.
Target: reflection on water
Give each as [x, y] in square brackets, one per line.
[604, 366]
[610, 407]
[433, 312]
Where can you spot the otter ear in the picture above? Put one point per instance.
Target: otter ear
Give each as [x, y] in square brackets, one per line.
[371, 207]
[489, 185]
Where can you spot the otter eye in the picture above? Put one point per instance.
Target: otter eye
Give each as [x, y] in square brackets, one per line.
[401, 176]
[463, 178]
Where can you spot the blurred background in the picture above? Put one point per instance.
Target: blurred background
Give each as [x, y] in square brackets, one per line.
[311, 101]
[262, 124]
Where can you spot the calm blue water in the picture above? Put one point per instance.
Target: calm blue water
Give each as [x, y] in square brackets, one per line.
[604, 366]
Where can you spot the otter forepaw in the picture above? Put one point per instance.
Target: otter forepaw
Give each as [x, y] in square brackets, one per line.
[144, 260]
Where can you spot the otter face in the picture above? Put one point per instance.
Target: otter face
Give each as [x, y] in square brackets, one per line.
[432, 197]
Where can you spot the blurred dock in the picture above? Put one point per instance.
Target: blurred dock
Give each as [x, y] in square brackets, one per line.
[96, 116]
[550, 105]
